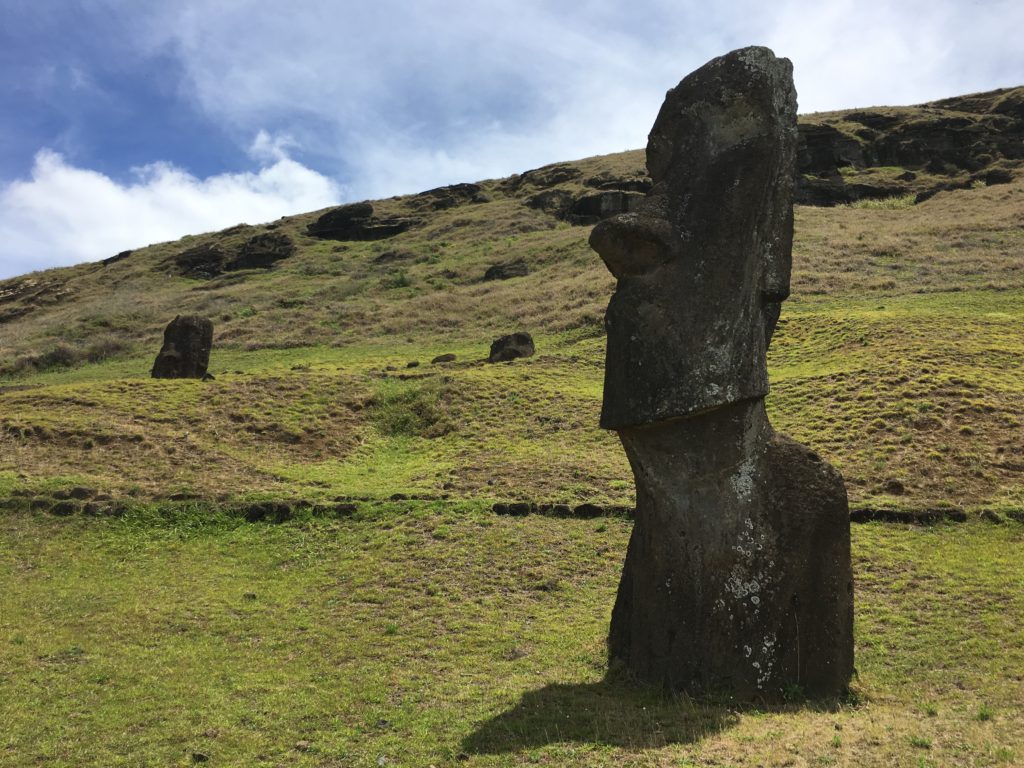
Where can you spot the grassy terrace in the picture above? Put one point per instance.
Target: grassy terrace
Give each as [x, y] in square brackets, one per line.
[911, 424]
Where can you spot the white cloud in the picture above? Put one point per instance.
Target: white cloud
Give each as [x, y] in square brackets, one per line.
[850, 54]
[64, 215]
[269, 148]
[396, 96]
[393, 96]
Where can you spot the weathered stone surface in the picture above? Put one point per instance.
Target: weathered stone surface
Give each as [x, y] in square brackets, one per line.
[705, 261]
[586, 209]
[443, 198]
[742, 586]
[511, 347]
[606, 180]
[824, 149]
[737, 578]
[952, 136]
[557, 202]
[185, 353]
[836, 191]
[547, 176]
[996, 176]
[201, 262]
[262, 251]
[507, 270]
[357, 222]
[448, 357]
[591, 209]
[121, 256]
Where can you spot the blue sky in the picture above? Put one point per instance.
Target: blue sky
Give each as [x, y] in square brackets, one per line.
[124, 122]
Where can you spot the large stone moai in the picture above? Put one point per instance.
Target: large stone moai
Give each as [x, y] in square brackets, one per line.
[737, 578]
[185, 353]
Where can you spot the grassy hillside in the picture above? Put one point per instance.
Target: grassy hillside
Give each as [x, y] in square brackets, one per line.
[897, 358]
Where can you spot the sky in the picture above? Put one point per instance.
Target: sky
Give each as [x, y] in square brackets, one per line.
[126, 122]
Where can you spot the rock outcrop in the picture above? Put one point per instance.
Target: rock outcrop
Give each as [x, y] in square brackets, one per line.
[947, 144]
[442, 198]
[202, 262]
[185, 353]
[262, 251]
[585, 208]
[590, 209]
[357, 221]
[842, 157]
[737, 577]
[209, 260]
[507, 270]
[120, 256]
[510, 347]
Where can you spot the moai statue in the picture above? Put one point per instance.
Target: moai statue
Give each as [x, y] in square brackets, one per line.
[737, 579]
[185, 353]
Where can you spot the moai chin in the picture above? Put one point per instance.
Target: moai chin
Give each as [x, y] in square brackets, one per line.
[737, 578]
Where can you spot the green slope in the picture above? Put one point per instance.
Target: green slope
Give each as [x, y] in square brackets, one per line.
[897, 358]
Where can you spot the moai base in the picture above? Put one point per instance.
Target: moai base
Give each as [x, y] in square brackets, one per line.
[737, 579]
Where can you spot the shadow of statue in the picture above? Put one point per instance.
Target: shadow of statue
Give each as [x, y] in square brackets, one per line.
[615, 712]
[621, 712]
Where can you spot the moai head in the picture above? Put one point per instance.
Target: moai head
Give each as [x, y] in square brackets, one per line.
[185, 353]
[704, 265]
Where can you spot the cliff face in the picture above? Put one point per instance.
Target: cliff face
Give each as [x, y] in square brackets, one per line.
[893, 151]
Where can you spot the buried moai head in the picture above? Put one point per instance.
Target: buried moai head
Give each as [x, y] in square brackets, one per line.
[185, 353]
[704, 265]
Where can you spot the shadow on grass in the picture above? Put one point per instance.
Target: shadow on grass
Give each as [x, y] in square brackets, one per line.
[610, 712]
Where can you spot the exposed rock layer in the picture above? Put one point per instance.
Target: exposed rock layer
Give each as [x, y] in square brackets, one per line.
[356, 221]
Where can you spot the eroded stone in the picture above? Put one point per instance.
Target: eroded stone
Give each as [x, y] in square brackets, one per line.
[737, 578]
[185, 353]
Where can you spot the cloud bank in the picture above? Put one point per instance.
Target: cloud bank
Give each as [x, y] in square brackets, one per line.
[364, 100]
[396, 97]
[64, 215]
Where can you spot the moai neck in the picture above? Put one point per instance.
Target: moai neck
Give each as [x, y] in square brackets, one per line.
[710, 462]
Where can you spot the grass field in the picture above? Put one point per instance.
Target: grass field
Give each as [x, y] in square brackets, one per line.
[432, 634]
[897, 358]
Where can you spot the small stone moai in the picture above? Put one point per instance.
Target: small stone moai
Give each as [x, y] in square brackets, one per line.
[737, 579]
[186, 350]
